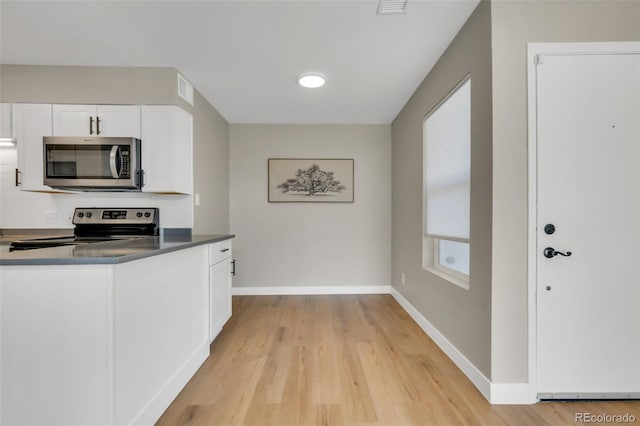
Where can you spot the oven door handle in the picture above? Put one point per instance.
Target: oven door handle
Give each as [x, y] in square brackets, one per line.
[115, 155]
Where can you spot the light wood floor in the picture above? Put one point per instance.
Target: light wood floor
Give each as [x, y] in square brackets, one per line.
[343, 360]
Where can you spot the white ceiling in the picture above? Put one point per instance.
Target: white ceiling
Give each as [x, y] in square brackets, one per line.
[245, 56]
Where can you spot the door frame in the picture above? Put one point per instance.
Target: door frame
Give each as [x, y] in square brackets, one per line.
[536, 53]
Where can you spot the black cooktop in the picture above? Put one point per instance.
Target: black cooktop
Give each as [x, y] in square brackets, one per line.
[97, 225]
[70, 240]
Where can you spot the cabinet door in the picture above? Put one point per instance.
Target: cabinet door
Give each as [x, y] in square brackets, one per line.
[160, 331]
[74, 120]
[220, 296]
[31, 122]
[5, 121]
[100, 120]
[167, 149]
[118, 121]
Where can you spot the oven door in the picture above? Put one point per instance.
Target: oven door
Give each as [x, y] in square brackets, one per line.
[92, 163]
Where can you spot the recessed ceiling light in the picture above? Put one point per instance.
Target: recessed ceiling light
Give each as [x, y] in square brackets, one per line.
[311, 81]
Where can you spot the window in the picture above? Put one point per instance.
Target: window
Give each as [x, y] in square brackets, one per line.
[446, 187]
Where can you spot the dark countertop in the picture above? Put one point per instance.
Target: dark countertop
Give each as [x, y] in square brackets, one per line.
[8, 235]
[110, 252]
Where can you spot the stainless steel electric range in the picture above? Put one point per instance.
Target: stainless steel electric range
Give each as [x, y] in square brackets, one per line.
[95, 224]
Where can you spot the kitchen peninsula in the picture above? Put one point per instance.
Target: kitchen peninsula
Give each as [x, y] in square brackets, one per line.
[108, 333]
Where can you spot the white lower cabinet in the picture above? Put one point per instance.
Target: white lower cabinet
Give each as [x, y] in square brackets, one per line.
[101, 345]
[220, 272]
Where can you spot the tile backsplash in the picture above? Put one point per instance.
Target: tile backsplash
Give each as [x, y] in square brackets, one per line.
[25, 209]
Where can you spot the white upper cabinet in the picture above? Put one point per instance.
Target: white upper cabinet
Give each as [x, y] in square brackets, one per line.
[74, 120]
[167, 149]
[119, 120]
[31, 122]
[166, 132]
[5, 121]
[96, 120]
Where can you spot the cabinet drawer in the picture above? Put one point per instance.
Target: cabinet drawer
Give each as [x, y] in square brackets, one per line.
[219, 251]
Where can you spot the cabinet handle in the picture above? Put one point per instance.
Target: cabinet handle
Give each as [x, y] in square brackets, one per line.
[90, 125]
[233, 271]
[18, 177]
[140, 178]
[224, 250]
[97, 125]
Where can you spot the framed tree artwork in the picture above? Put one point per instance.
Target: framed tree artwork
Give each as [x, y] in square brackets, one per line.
[310, 180]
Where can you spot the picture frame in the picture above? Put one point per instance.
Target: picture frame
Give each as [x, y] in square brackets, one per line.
[310, 180]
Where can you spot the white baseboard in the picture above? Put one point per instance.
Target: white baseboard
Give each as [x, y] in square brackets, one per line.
[511, 393]
[495, 393]
[477, 378]
[302, 290]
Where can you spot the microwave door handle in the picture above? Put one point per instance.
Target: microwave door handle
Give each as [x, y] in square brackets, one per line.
[115, 153]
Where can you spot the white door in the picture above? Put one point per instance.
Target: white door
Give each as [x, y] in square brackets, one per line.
[588, 181]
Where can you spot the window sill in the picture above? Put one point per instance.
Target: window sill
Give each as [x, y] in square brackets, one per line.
[463, 283]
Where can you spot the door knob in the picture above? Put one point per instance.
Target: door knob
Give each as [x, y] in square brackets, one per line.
[550, 252]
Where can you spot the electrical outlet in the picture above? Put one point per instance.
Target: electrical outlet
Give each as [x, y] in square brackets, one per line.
[50, 217]
[197, 199]
[402, 278]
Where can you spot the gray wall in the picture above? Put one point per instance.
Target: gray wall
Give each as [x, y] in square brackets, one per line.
[463, 316]
[89, 85]
[311, 244]
[514, 24]
[127, 85]
[211, 168]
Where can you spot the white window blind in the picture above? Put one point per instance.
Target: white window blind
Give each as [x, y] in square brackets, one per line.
[447, 133]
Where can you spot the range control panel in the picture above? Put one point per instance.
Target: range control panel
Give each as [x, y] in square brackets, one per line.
[118, 215]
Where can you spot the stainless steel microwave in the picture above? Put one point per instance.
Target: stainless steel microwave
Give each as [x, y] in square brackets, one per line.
[93, 164]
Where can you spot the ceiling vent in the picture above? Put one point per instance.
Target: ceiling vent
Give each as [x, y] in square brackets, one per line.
[386, 7]
[185, 89]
